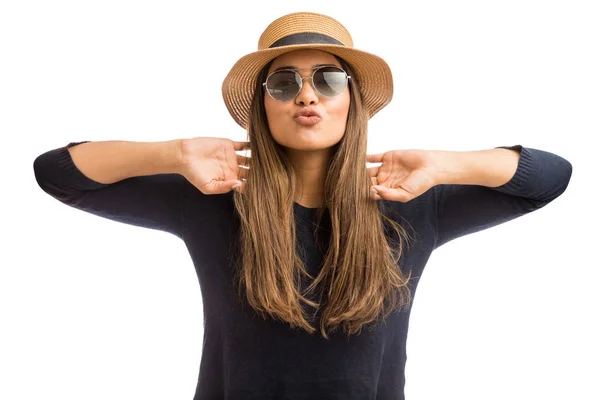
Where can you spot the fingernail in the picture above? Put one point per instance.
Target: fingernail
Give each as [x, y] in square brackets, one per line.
[374, 191]
[237, 185]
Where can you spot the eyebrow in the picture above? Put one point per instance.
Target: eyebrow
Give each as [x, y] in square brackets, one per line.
[314, 66]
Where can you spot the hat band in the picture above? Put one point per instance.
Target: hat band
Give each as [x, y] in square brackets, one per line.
[305, 38]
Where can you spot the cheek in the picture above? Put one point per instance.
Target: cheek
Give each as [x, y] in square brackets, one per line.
[276, 115]
[339, 110]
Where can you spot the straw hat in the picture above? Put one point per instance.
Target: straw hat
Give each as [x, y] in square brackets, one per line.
[305, 30]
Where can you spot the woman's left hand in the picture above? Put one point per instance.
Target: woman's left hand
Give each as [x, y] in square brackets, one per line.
[402, 175]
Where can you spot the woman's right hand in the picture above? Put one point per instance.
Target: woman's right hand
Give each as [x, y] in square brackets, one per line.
[212, 164]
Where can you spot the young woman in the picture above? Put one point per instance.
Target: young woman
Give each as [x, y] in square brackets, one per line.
[307, 259]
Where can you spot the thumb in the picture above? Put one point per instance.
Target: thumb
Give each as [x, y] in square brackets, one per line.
[235, 185]
[394, 194]
[220, 187]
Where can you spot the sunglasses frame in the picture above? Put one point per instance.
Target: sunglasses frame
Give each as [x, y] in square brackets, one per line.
[314, 69]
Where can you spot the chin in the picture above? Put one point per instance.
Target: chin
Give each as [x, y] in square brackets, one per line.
[306, 138]
[309, 145]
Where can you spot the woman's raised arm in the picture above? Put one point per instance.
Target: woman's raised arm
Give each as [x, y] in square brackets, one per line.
[136, 183]
[112, 161]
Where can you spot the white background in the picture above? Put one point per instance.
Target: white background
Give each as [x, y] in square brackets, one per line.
[93, 309]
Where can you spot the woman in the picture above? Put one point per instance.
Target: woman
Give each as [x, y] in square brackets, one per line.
[307, 259]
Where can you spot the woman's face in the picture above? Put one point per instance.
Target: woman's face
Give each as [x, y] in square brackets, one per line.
[300, 133]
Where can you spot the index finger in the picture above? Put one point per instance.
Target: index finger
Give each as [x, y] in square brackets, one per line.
[241, 146]
[375, 158]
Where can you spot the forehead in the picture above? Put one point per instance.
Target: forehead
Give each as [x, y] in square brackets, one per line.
[303, 59]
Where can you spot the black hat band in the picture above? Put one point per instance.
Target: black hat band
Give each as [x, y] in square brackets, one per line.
[305, 38]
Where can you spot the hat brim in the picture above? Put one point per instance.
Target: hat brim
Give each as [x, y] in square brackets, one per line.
[372, 73]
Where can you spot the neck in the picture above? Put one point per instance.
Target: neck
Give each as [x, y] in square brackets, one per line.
[311, 170]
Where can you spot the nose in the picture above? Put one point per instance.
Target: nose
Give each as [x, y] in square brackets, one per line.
[307, 95]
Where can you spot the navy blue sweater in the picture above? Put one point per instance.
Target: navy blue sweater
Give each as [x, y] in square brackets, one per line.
[246, 357]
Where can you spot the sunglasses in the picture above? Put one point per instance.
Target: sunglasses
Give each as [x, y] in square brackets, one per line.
[285, 84]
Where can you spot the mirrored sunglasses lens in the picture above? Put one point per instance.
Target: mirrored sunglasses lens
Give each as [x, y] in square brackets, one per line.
[283, 85]
[330, 81]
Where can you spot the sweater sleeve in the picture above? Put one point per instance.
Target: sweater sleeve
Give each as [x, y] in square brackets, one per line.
[463, 209]
[153, 202]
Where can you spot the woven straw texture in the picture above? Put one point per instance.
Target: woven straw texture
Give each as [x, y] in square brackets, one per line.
[304, 22]
[372, 72]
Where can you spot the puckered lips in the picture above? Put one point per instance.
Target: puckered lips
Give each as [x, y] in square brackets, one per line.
[307, 116]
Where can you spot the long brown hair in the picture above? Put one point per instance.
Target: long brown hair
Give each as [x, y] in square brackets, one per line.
[360, 280]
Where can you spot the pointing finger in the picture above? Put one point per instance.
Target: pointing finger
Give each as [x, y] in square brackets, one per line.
[374, 158]
[238, 146]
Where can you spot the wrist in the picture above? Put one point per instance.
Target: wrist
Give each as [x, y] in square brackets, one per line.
[172, 156]
[450, 167]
